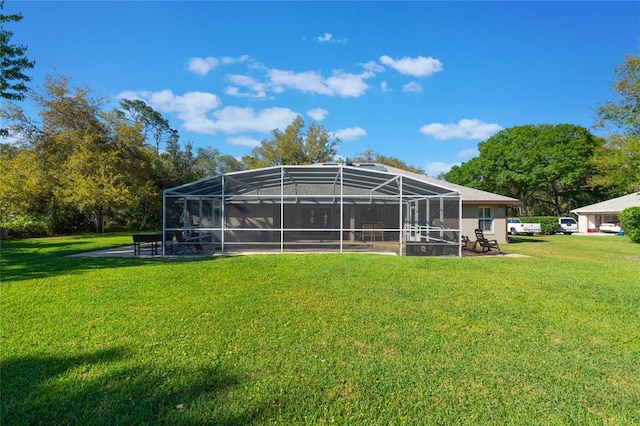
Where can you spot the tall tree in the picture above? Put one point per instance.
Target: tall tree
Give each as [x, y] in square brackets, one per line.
[619, 161]
[211, 163]
[469, 174]
[25, 183]
[546, 167]
[176, 165]
[624, 111]
[13, 61]
[80, 155]
[153, 125]
[292, 146]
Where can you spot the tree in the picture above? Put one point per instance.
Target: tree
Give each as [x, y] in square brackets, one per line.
[13, 62]
[211, 163]
[624, 112]
[471, 173]
[370, 156]
[80, 155]
[25, 184]
[546, 167]
[293, 146]
[618, 165]
[619, 161]
[176, 166]
[153, 125]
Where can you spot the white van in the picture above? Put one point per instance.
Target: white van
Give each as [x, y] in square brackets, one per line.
[567, 225]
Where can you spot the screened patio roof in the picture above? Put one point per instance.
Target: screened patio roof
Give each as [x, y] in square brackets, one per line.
[319, 179]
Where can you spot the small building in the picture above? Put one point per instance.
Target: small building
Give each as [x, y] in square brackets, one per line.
[591, 217]
[332, 207]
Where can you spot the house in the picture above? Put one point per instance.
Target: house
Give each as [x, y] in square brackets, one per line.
[480, 209]
[332, 207]
[591, 217]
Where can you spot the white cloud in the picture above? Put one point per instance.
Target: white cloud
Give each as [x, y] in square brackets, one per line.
[237, 120]
[306, 81]
[318, 114]
[413, 87]
[465, 129]
[350, 134]
[340, 84]
[347, 85]
[227, 60]
[244, 141]
[384, 87]
[418, 67]
[329, 38]
[373, 67]
[257, 88]
[325, 37]
[202, 66]
[193, 109]
[235, 92]
[468, 153]
[435, 169]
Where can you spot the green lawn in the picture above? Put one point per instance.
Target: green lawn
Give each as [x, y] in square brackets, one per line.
[553, 338]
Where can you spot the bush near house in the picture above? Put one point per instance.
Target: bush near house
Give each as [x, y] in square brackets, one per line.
[548, 224]
[630, 220]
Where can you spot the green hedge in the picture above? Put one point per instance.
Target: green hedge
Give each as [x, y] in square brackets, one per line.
[630, 221]
[548, 224]
[26, 225]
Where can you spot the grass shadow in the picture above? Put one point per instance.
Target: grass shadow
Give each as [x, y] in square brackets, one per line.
[100, 388]
[33, 259]
[519, 240]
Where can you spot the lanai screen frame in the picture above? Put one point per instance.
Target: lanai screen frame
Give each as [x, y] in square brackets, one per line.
[213, 201]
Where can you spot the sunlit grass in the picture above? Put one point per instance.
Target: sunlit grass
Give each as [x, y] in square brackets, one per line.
[553, 338]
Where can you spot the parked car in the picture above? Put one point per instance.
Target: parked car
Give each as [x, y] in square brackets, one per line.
[515, 226]
[609, 227]
[567, 225]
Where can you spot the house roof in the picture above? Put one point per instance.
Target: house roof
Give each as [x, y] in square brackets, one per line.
[359, 178]
[469, 195]
[615, 205]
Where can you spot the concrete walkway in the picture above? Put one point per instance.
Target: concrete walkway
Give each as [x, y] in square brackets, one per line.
[127, 251]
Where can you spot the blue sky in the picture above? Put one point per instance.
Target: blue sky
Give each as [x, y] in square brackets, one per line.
[422, 81]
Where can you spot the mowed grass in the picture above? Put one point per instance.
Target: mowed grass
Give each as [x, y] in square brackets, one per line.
[553, 338]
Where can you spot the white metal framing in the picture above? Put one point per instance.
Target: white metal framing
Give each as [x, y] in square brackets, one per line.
[366, 186]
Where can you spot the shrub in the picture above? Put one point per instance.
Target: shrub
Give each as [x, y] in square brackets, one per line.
[630, 220]
[26, 225]
[66, 219]
[548, 224]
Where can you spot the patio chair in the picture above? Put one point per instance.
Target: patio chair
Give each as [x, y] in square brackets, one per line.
[372, 231]
[486, 245]
[184, 244]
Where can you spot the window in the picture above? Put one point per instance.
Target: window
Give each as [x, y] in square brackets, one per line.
[485, 219]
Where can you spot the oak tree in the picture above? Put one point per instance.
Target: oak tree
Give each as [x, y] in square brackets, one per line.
[545, 166]
[294, 147]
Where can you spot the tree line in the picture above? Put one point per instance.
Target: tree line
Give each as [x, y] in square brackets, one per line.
[80, 166]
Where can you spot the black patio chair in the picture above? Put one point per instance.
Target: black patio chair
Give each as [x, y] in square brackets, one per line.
[184, 244]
